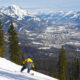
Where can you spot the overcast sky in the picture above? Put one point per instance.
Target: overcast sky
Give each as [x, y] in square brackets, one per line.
[50, 4]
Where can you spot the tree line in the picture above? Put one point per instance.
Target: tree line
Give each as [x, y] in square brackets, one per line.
[63, 69]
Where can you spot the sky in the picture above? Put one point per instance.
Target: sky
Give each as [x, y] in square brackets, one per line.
[44, 4]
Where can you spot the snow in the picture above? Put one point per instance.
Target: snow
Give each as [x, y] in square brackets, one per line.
[68, 13]
[15, 25]
[78, 50]
[14, 11]
[75, 16]
[20, 14]
[17, 12]
[11, 71]
[76, 43]
[51, 29]
[44, 48]
[36, 43]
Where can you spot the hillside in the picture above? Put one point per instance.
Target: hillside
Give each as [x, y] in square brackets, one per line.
[11, 71]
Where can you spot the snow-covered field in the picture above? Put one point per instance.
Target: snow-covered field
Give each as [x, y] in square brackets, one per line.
[11, 71]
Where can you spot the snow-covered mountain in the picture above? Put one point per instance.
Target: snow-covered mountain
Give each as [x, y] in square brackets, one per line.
[20, 14]
[11, 71]
[15, 12]
[52, 14]
[43, 29]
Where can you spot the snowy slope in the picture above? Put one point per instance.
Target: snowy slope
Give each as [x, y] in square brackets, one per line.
[11, 71]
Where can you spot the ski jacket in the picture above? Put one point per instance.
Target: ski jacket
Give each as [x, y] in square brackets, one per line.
[29, 63]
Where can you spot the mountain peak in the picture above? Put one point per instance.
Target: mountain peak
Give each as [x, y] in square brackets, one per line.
[14, 11]
[11, 7]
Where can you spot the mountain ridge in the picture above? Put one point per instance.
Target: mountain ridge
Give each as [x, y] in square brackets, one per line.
[19, 13]
[46, 31]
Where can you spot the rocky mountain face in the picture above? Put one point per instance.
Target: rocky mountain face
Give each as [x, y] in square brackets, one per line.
[43, 30]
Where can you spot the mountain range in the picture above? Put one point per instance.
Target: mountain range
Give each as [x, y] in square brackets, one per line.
[43, 29]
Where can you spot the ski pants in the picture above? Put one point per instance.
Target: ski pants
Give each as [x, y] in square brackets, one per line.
[24, 67]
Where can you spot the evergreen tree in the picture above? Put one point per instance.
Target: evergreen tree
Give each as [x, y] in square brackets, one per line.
[62, 65]
[75, 69]
[1, 40]
[14, 48]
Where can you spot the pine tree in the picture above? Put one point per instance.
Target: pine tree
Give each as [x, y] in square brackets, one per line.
[1, 40]
[62, 65]
[14, 48]
[75, 69]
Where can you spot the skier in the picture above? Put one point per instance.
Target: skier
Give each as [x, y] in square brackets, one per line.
[27, 63]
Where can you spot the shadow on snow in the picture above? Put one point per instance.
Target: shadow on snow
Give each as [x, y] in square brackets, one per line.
[15, 76]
